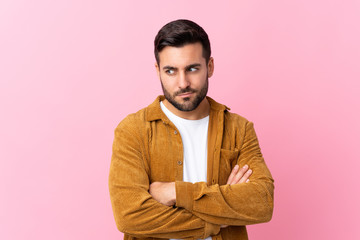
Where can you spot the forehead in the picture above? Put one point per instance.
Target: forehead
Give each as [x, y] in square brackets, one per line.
[182, 56]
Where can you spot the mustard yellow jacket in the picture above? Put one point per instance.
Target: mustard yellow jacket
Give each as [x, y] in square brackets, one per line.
[147, 148]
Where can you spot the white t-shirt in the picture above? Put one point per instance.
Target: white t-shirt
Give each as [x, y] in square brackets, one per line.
[194, 138]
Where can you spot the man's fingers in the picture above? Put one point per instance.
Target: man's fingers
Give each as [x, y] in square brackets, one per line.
[240, 174]
[232, 174]
[246, 176]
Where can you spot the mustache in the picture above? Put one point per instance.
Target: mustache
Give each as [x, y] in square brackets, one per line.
[185, 90]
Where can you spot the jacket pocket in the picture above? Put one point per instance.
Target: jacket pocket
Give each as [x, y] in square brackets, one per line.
[228, 159]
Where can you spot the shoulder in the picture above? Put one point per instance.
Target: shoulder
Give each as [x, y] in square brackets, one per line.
[140, 121]
[236, 124]
[145, 115]
[133, 121]
[234, 118]
[231, 120]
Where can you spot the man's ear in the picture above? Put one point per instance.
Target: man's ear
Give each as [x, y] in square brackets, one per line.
[210, 67]
[157, 69]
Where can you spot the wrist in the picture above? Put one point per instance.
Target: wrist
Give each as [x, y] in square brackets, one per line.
[172, 193]
[184, 194]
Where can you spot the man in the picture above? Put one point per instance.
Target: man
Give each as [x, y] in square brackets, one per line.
[185, 167]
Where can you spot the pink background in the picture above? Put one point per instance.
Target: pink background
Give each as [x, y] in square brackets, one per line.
[71, 70]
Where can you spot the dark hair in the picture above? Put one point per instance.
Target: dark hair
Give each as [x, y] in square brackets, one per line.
[179, 33]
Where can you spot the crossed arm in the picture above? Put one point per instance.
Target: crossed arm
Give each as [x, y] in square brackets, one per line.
[141, 207]
[165, 192]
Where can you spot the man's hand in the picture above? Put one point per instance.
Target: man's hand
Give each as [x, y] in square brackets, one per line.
[238, 175]
[163, 192]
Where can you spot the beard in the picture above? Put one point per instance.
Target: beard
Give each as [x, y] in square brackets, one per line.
[188, 105]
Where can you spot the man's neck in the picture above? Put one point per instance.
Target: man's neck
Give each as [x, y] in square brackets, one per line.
[200, 112]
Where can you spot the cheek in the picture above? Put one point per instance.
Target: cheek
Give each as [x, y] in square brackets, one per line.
[167, 84]
[200, 79]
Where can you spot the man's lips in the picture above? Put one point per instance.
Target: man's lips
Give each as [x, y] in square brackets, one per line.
[188, 94]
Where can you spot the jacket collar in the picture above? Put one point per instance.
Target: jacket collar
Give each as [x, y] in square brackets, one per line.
[154, 112]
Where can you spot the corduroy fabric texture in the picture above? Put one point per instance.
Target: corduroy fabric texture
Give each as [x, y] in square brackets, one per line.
[147, 148]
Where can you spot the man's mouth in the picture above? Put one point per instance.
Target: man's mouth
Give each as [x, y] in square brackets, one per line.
[186, 94]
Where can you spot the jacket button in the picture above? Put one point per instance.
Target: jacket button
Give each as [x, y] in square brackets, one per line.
[175, 132]
[179, 162]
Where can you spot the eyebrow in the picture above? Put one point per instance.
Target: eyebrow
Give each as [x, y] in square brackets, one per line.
[167, 67]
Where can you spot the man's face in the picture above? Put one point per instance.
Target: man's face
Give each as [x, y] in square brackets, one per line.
[183, 73]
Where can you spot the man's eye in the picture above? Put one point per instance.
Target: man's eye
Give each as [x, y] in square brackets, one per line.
[192, 69]
[170, 71]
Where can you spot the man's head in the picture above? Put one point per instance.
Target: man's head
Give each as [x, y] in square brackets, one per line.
[179, 33]
[183, 63]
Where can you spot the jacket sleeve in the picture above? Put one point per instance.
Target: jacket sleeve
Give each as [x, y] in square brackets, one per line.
[239, 204]
[136, 212]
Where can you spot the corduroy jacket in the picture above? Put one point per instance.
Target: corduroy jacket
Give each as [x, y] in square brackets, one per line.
[147, 148]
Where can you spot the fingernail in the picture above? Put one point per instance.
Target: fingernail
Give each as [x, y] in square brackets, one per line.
[248, 180]
[250, 171]
[236, 167]
[245, 166]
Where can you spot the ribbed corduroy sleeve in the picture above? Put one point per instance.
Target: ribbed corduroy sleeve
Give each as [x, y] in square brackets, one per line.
[238, 204]
[136, 212]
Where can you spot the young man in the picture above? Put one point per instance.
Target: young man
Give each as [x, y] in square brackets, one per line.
[185, 167]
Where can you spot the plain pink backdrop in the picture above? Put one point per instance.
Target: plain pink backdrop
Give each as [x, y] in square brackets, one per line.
[71, 70]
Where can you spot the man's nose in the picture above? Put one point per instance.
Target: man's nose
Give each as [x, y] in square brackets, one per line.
[183, 80]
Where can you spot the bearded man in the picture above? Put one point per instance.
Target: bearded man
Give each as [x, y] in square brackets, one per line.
[186, 167]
